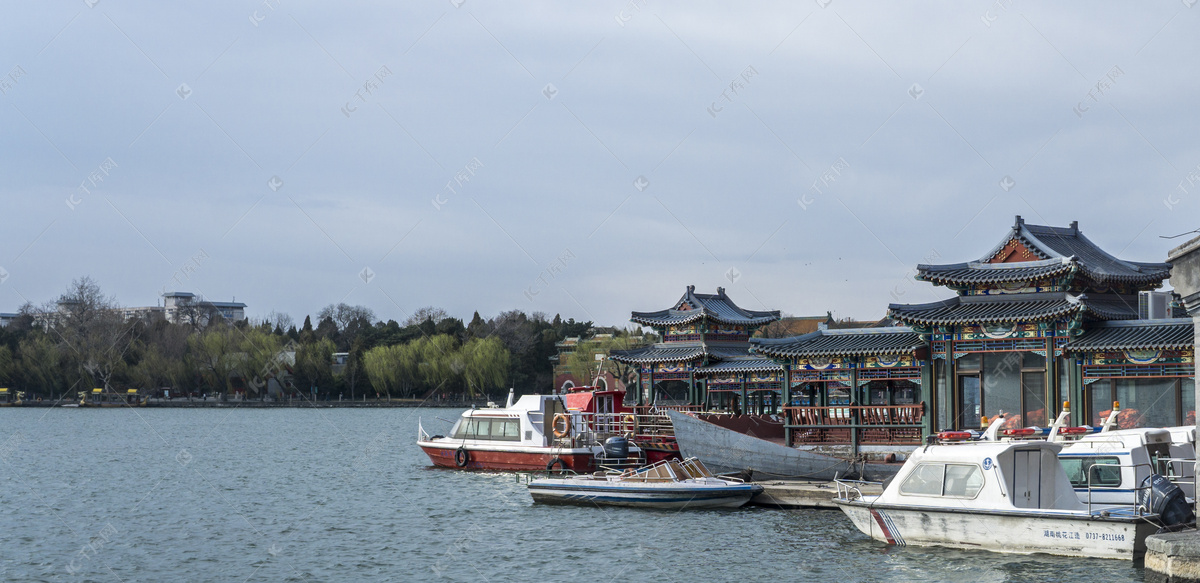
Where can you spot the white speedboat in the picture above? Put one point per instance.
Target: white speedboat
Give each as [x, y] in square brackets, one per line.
[666, 484]
[1007, 496]
[537, 432]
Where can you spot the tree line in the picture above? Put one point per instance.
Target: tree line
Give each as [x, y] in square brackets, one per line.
[84, 339]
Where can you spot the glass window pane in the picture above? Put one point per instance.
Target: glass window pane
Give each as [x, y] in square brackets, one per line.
[969, 416]
[1034, 385]
[968, 363]
[1078, 468]
[838, 394]
[1100, 399]
[963, 480]
[1189, 402]
[906, 393]
[483, 429]
[926, 480]
[1002, 387]
[1033, 360]
[1146, 403]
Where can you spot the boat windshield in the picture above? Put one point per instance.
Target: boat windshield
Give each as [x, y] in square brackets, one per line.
[1078, 468]
[952, 480]
[493, 429]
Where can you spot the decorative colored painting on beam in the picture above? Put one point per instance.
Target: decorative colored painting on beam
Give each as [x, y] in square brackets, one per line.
[725, 378]
[1014, 252]
[691, 328]
[1140, 357]
[1019, 287]
[836, 362]
[1002, 331]
[766, 377]
[889, 361]
[728, 329]
[673, 367]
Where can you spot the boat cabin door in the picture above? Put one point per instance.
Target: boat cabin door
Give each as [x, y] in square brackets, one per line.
[1027, 479]
[605, 408]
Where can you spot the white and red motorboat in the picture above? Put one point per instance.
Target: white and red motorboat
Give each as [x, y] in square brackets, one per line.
[582, 431]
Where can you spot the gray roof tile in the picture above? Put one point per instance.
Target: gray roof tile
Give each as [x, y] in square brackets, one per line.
[1169, 334]
[863, 342]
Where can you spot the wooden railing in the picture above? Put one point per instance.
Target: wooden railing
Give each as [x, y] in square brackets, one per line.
[864, 424]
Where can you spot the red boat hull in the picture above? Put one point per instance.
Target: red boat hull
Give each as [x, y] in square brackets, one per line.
[505, 461]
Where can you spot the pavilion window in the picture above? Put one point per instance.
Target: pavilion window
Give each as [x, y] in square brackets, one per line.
[1033, 390]
[897, 392]
[1100, 398]
[877, 393]
[906, 393]
[1188, 401]
[1002, 385]
[837, 394]
[1147, 402]
[805, 396]
[943, 393]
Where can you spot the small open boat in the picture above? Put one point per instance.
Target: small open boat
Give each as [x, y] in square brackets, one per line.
[666, 484]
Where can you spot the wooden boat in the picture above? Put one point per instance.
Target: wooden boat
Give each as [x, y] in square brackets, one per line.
[729, 452]
[1007, 496]
[666, 484]
[537, 432]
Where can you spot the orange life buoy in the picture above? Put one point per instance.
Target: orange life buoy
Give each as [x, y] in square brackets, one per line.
[565, 428]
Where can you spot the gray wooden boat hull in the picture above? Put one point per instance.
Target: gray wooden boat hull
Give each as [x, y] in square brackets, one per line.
[727, 451]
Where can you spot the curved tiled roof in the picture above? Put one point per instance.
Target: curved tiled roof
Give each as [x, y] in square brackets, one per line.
[652, 354]
[975, 272]
[1169, 334]
[717, 307]
[742, 365]
[1031, 307]
[1059, 248]
[866, 342]
[1011, 309]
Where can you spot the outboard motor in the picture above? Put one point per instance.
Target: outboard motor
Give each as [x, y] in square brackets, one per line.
[618, 448]
[1159, 496]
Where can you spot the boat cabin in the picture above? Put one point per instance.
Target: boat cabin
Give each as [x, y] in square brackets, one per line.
[1109, 467]
[984, 476]
[528, 421]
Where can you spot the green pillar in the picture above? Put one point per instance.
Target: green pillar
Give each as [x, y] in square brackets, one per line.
[951, 390]
[787, 401]
[1078, 406]
[854, 400]
[1054, 394]
[745, 400]
[929, 389]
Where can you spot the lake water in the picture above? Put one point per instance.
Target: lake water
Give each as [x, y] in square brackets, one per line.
[345, 495]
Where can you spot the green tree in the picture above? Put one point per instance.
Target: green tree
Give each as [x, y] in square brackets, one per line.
[486, 364]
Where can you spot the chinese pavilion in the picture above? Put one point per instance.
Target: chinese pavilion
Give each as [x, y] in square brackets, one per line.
[852, 387]
[703, 359]
[1041, 318]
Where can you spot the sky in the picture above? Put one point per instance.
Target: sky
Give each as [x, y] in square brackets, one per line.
[584, 159]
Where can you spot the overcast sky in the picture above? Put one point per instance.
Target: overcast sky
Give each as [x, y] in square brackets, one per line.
[587, 159]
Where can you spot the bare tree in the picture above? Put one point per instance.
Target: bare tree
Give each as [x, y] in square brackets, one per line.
[427, 313]
[344, 314]
[196, 313]
[279, 320]
[93, 331]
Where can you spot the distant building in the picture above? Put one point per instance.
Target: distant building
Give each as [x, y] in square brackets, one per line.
[7, 318]
[178, 307]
